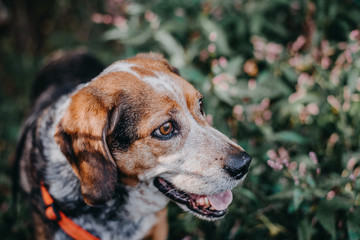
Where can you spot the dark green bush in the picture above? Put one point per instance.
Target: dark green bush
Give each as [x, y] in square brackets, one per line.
[281, 78]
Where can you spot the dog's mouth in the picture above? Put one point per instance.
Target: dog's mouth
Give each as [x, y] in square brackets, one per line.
[207, 206]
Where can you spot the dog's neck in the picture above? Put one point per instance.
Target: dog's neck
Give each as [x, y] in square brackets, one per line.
[119, 217]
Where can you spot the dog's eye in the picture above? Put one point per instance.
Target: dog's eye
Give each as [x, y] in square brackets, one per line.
[201, 105]
[165, 131]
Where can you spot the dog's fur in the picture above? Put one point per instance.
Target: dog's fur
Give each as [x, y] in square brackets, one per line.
[97, 147]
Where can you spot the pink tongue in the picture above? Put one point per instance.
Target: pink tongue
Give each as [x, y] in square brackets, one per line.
[221, 200]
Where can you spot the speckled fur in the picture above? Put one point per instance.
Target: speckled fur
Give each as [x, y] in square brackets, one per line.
[94, 149]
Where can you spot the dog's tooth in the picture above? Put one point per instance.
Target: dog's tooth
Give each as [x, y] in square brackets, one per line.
[207, 202]
[201, 201]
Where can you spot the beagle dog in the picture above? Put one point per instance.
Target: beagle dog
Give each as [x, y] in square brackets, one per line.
[113, 146]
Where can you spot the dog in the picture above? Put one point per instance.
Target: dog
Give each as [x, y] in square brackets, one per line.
[105, 150]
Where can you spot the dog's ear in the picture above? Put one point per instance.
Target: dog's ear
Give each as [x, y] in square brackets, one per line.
[158, 57]
[81, 135]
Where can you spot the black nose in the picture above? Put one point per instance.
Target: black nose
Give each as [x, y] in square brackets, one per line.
[237, 165]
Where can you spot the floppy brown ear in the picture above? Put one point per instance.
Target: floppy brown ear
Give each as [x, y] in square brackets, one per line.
[81, 135]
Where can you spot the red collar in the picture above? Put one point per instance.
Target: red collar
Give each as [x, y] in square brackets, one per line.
[65, 223]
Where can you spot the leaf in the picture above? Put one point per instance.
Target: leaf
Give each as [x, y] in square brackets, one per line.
[283, 195]
[172, 47]
[353, 229]
[249, 194]
[223, 95]
[354, 225]
[221, 41]
[297, 198]
[289, 137]
[326, 216]
[304, 230]
[134, 38]
[234, 66]
[289, 73]
[192, 74]
[134, 8]
[352, 79]
[274, 228]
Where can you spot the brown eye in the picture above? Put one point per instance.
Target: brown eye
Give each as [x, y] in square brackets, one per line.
[166, 129]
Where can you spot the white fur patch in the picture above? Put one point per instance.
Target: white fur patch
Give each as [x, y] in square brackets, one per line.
[163, 84]
[120, 66]
[145, 199]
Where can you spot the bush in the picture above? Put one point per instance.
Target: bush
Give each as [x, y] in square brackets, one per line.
[285, 77]
[279, 77]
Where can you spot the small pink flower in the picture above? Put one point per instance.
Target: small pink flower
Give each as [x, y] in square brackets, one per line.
[348, 56]
[213, 36]
[275, 165]
[292, 166]
[239, 112]
[273, 51]
[302, 169]
[351, 164]
[107, 19]
[267, 115]
[312, 108]
[203, 55]
[298, 44]
[211, 48]
[96, 18]
[342, 45]
[272, 154]
[120, 22]
[259, 43]
[334, 138]
[218, 79]
[214, 63]
[296, 181]
[297, 96]
[325, 62]
[355, 35]
[224, 86]
[150, 16]
[223, 62]
[265, 103]
[330, 195]
[313, 157]
[334, 102]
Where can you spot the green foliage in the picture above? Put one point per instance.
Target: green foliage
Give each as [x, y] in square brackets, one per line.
[288, 89]
[282, 78]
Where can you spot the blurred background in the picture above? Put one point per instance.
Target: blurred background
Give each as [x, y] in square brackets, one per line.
[280, 77]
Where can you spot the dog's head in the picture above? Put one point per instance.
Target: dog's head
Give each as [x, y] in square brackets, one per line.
[140, 121]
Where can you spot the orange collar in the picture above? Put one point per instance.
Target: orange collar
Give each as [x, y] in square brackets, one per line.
[65, 223]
